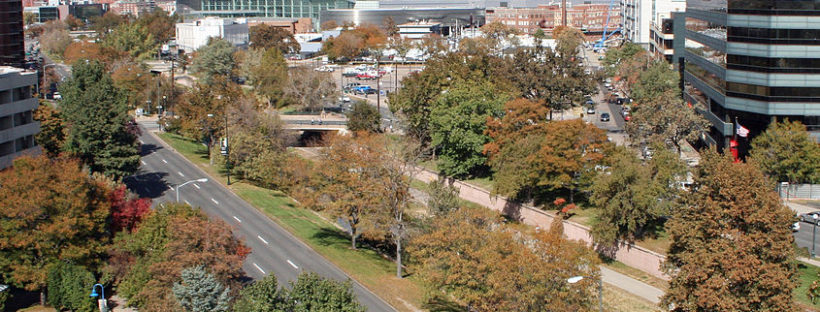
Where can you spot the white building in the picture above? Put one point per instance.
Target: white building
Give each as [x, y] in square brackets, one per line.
[192, 36]
[662, 36]
[639, 15]
[419, 30]
[17, 125]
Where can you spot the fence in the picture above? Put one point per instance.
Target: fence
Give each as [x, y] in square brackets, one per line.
[798, 191]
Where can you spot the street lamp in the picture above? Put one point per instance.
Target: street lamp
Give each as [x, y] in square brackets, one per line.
[813, 232]
[575, 279]
[203, 180]
[101, 302]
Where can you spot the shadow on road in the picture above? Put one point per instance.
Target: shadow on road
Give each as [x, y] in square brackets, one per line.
[147, 149]
[148, 184]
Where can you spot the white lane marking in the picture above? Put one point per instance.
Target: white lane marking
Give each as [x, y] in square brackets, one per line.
[170, 187]
[258, 268]
[262, 239]
[196, 186]
[214, 200]
[293, 265]
[237, 219]
[142, 162]
[186, 202]
[180, 173]
[163, 160]
[141, 142]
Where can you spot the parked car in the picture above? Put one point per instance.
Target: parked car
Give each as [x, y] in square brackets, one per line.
[605, 117]
[810, 217]
[323, 68]
[627, 116]
[349, 87]
[364, 90]
[590, 110]
[796, 227]
[350, 72]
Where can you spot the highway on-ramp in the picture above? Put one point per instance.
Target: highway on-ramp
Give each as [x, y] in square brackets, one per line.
[275, 251]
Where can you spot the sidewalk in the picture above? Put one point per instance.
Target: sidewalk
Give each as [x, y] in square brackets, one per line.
[800, 208]
[631, 285]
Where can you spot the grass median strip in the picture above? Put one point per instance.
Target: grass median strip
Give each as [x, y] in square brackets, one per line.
[366, 266]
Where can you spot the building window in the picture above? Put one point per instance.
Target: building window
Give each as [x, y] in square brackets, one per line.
[773, 65]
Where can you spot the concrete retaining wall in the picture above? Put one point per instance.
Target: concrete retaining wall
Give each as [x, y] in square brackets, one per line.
[633, 256]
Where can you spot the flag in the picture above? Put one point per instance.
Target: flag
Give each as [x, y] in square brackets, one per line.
[741, 130]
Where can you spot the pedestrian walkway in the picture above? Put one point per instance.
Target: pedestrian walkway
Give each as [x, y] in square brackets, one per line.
[632, 286]
[800, 208]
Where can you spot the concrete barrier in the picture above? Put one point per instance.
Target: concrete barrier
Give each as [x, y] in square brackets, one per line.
[631, 255]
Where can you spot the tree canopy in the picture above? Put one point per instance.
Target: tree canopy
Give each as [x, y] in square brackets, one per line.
[264, 36]
[786, 153]
[214, 59]
[731, 242]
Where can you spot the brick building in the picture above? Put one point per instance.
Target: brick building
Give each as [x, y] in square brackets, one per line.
[588, 17]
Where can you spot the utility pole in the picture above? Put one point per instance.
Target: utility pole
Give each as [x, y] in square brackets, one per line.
[563, 12]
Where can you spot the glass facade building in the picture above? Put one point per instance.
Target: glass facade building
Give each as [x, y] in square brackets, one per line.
[752, 62]
[261, 8]
[12, 50]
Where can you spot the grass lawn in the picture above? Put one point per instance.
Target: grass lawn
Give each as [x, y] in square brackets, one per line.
[642, 276]
[618, 300]
[806, 274]
[366, 266]
[38, 308]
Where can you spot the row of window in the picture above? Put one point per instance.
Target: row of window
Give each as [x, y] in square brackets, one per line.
[773, 64]
[773, 94]
[776, 36]
[770, 7]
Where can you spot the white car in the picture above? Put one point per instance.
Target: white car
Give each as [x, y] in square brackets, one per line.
[324, 68]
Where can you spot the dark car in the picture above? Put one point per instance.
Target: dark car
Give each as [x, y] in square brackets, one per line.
[810, 217]
[605, 117]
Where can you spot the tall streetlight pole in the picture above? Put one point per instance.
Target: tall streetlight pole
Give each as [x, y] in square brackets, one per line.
[575, 279]
[813, 232]
[103, 304]
[227, 151]
[176, 190]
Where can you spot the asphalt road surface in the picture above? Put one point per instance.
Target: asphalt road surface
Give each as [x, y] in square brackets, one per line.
[274, 249]
[803, 236]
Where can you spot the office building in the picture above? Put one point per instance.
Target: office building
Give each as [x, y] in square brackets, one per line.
[752, 62]
[191, 36]
[661, 27]
[17, 126]
[260, 8]
[12, 45]
[640, 15]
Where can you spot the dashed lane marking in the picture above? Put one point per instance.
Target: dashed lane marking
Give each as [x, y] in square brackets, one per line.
[214, 200]
[258, 268]
[293, 265]
[262, 239]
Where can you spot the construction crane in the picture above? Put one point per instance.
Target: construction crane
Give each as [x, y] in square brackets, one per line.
[604, 36]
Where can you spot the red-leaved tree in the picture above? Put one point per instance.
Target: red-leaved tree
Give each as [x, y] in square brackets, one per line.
[127, 213]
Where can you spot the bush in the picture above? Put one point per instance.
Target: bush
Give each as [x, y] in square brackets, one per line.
[69, 286]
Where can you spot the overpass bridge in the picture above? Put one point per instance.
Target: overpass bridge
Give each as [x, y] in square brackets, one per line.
[315, 123]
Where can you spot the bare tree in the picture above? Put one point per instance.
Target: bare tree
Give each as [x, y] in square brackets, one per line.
[310, 89]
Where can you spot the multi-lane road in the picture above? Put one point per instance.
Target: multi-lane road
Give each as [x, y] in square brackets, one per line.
[275, 251]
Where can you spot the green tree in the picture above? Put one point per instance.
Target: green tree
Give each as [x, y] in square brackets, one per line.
[68, 287]
[50, 211]
[457, 125]
[159, 24]
[250, 61]
[52, 129]
[731, 242]
[634, 196]
[215, 59]
[614, 58]
[55, 38]
[363, 117]
[786, 153]
[310, 292]
[199, 291]
[263, 295]
[264, 36]
[442, 198]
[666, 119]
[98, 122]
[132, 40]
[29, 18]
[271, 77]
[656, 81]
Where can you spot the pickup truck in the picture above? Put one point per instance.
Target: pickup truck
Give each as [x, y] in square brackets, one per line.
[364, 90]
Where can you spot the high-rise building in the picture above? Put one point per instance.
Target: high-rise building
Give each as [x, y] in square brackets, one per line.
[17, 126]
[752, 62]
[12, 44]
[661, 30]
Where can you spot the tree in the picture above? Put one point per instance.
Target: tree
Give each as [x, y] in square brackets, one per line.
[499, 34]
[347, 45]
[568, 39]
[55, 38]
[571, 149]
[50, 211]
[131, 40]
[265, 36]
[159, 24]
[329, 25]
[52, 129]
[215, 59]
[363, 117]
[786, 153]
[147, 262]
[634, 196]
[250, 63]
[442, 198]
[199, 291]
[389, 27]
[127, 213]
[519, 272]
[666, 119]
[29, 18]
[98, 122]
[134, 79]
[262, 295]
[73, 22]
[106, 23]
[731, 242]
[82, 50]
[658, 80]
[457, 125]
[68, 287]
[310, 89]
[271, 77]
[310, 292]
[626, 53]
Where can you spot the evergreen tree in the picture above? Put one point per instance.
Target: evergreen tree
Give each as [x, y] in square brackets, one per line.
[271, 77]
[201, 292]
[214, 59]
[312, 293]
[98, 121]
[261, 296]
[363, 117]
[731, 243]
[68, 286]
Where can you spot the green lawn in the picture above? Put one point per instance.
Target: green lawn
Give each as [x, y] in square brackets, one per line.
[366, 266]
[806, 274]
